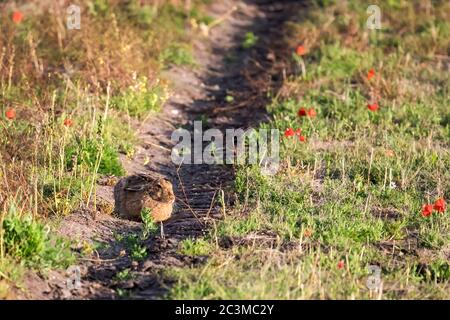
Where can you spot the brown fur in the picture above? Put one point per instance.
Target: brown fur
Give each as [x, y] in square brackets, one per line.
[133, 193]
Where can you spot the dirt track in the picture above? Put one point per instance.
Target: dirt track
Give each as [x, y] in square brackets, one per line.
[224, 68]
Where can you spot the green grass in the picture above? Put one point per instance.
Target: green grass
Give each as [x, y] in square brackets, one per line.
[195, 247]
[33, 244]
[28, 244]
[91, 153]
[177, 55]
[138, 100]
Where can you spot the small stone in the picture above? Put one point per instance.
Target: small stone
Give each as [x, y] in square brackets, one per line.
[147, 265]
[270, 56]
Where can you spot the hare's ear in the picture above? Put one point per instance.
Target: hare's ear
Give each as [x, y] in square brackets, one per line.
[135, 188]
[145, 177]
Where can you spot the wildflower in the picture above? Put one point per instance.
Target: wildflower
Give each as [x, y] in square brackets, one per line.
[302, 138]
[311, 113]
[370, 74]
[427, 209]
[373, 106]
[68, 122]
[10, 114]
[307, 233]
[298, 132]
[302, 112]
[289, 132]
[17, 17]
[341, 264]
[439, 205]
[301, 50]
[390, 153]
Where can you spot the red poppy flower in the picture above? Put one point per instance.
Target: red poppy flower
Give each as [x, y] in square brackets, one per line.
[301, 50]
[427, 209]
[302, 112]
[302, 138]
[341, 264]
[373, 106]
[17, 16]
[10, 114]
[439, 205]
[298, 132]
[370, 74]
[68, 122]
[390, 153]
[312, 113]
[289, 132]
[307, 233]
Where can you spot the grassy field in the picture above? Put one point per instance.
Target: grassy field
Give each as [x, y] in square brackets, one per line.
[346, 216]
[358, 207]
[67, 100]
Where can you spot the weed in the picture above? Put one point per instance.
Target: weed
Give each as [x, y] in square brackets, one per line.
[87, 151]
[123, 275]
[138, 100]
[122, 293]
[250, 40]
[134, 246]
[195, 247]
[229, 99]
[150, 227]
[31, 243]
[178, 55]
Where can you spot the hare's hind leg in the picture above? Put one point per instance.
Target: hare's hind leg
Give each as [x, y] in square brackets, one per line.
[162, 231]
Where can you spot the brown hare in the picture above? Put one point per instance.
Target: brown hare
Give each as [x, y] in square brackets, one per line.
[136, 192]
